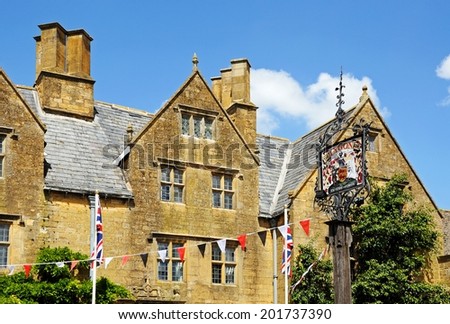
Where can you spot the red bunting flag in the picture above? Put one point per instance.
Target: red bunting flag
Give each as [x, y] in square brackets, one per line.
[27, 268]
[305, 225]
[242, 240]
[124, 259]
[181, 250]
[73, 264]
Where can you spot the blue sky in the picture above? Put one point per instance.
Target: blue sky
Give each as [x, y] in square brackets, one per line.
[142, 53]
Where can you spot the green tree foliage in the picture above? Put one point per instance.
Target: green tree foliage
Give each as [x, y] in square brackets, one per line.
[317, 286]
[49, 284]
[46, 270]
[393, 246]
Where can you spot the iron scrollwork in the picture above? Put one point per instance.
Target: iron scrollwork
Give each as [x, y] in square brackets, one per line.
[338, 202]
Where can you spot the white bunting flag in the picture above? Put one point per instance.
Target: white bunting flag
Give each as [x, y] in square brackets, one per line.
[283, 230]
[162, 255]
[107, 261]
[222, 243]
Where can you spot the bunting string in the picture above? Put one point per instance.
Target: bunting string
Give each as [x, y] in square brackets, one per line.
[313, 265]
[161, 253]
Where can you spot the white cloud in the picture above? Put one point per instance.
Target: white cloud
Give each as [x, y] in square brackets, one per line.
[443, 70]
[279, 96]
[446, 100]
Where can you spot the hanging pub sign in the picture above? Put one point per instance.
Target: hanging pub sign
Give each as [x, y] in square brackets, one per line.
[342, 166]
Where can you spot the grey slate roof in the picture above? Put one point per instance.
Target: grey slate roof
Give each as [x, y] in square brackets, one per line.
[75, 148]
[286, 171]
[283, 167]
[302, 161]
[272, 154]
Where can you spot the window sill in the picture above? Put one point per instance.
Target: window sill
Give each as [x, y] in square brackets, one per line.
[198, 139]
[173, 202]
[221, 208]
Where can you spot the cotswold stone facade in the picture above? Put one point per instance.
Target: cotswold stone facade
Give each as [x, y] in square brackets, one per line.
[194, 175]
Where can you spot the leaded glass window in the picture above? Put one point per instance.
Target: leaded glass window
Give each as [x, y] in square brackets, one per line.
[222, 191]
[172, 184]
[171, 268]
[223, 267]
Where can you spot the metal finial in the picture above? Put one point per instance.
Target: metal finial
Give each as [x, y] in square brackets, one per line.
[340, 111]
[194, 62]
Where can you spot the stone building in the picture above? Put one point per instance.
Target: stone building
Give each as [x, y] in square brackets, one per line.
[195, 175]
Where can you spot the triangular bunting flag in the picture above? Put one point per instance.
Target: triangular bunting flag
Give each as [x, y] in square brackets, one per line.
[181, 251]
[27, 268]
[124, 259]
[283, 230]
[73, 264]
[11, 270]
[144, 257]
[202, 248]
[242, 240]
[263, 236]
[222, 243]
[305, 225]
[60, 264]
[162, 255]
[107, 261]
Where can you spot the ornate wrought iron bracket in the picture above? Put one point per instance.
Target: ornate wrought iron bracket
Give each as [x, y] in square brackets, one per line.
[339, 203]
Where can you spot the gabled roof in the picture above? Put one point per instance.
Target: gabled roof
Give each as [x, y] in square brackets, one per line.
[80, 153]
[195, 73]
[300, 161]
[293, 164]
[29, 109]
[272, 155]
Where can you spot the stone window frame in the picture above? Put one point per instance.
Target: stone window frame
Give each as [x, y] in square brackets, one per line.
[373, 140]
[172, 269]
[6, 223]
[5, 134]
[197, 122]
[172, 187]
[5, 243]
[3, 138]
[223, 265]
[222, 190]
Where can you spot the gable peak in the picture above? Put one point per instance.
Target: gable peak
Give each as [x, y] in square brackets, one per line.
[194, 63]
[364, 94]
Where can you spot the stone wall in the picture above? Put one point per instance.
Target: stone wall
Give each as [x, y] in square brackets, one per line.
[195, 221]
[21, 196]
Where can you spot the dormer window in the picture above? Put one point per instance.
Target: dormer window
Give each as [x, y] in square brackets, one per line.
[197, 122]
[197, 126]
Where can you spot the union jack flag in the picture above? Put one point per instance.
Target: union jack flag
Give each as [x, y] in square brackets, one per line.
[99, 232]
[287, 253]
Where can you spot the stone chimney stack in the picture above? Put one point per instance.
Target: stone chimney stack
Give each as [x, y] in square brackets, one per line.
[63, 76]
[79, 53]
[232, 89]
[240, 80]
